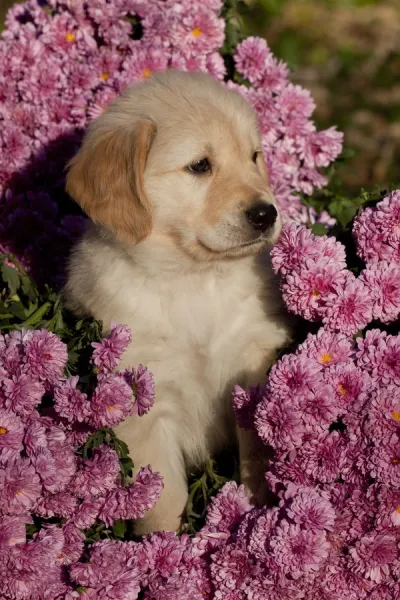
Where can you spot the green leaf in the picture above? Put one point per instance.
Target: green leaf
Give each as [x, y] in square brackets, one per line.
[319, 229]
[119, 528]
[11, 278]
[126, 466]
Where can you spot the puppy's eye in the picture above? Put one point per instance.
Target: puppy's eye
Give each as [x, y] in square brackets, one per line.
[200, 166]
[255, 156]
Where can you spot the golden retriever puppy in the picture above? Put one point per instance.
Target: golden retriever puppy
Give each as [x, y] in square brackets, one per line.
[172, 176]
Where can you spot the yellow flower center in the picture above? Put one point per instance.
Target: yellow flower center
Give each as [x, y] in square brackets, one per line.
[110, 408]
[316, 293]
[398, 510]
[326, 358]
[197, 32]
[342, 390]
[395, 461]
[59, 555]
[19, 492]
[395, 415]
[146, 73]
[3, 430]
[70, 37]
[104, 76]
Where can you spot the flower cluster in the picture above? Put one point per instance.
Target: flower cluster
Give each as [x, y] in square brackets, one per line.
[44, 476]
[317, 285]
[69, 59]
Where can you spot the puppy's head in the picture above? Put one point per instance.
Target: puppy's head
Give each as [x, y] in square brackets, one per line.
[178, 158]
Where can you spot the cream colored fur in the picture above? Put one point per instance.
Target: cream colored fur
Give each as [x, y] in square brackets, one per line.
[173, 257]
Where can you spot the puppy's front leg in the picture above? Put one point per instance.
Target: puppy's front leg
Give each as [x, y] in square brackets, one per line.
[154, 439]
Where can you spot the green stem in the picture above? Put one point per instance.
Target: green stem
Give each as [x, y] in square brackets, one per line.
[37, 315]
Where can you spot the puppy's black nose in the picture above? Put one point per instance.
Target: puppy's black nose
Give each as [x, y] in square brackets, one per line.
[262, 216]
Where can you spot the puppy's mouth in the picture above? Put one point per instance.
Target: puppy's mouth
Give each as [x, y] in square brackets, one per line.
[258, 241]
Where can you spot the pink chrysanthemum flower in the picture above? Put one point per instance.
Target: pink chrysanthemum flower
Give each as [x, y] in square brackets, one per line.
[141, 382]
[250, 58]
[134, 501]
[71, 403]
[373, 554]
[20, 487]
[61, 504]
[111, 401]
[298, 551]
[348, 306]
[227, 507]
[22, 393]
[245, 404]
[201, 31]
[291, 376]
[232, 570]
[309, 508]
[386, 367]
[382, 281]
[297, 243]
[46, 356]
[108, 352]
[11, 435]
[99, 102]
[87, 512]
[13, 530]
[306, 290]
[383, 416]
[97, 475]
[377, 231]
[327, 348]
[351, 385]
[163, 551]
[279, 424]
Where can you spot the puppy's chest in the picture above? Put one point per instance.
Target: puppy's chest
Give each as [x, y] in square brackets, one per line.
[198, 326]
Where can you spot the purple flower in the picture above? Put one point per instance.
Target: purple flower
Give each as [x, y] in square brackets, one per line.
[297, 243]
[141, 382]
[97, 475]
[250, 58]
[298, 551]
[61, 504]
[13, 530]
[279, 424]
[376, 231]
[134, 501]
[309, 508]
[46, 356]
[111, 401]
[87, 512]
[20, 487]
[372, 555]
[350, 384]
[70, 403]
[11, 435]
[327, 348]
[306, 291]
[22, 393]
[108, 352]
[231, 569]
[348, 306]
[382, 280]
[245, 404]
[163, 552]
[227, 507]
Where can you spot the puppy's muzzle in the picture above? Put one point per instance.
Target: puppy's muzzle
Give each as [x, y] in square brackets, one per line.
[262, 216]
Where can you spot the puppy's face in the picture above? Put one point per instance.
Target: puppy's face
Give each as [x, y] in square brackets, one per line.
[178, 159]
[208, 185]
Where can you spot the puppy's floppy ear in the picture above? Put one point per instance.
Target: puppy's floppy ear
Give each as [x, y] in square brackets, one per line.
[106, 177]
